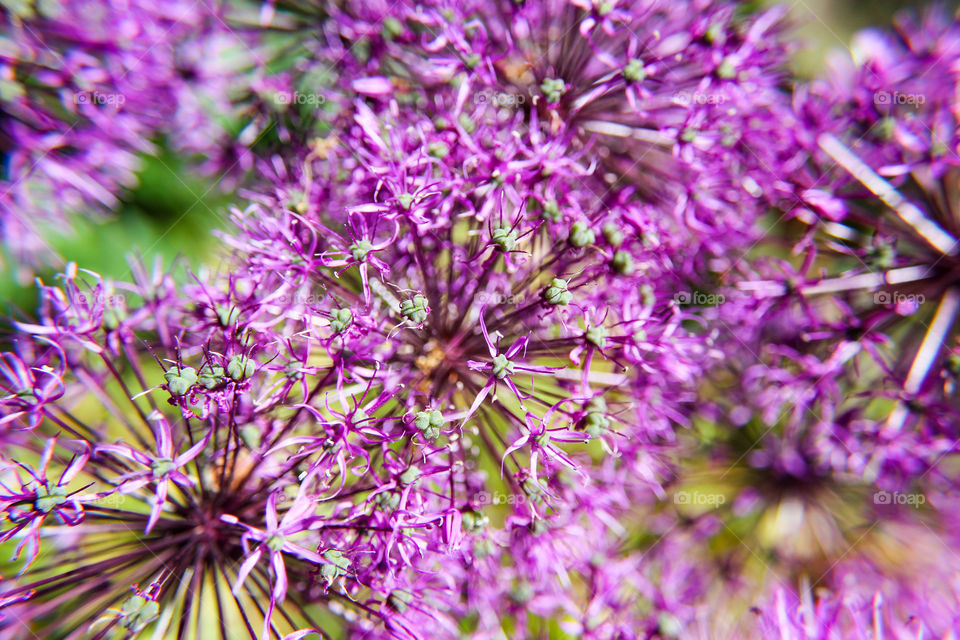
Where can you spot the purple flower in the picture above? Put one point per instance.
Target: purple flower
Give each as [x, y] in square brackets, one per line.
[86, 86]
[27, 507]
[164, 467]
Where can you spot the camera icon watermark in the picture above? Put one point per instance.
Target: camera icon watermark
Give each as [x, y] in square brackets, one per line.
[687, 98]
[299, 98]
[493, 298]
[699, 299]
[895, 97]
[113, 500]
[98, 299]
[897, 298]
[898, 498]
[699, 498]
[487, 498]
[100, 98]
[501, 99]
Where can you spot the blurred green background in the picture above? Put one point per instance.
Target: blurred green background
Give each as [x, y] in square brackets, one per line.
[172, 211]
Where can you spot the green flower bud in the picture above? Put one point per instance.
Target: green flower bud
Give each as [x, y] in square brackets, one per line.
[553, 89]
[501, 366]
[505, 239]
[551, 211]
[211, 376]
[179, 380]
[597, 336]
[415, 309]
[240, 368]
[340, 319]
[360, 249]
[48, 500]
[429, 422]
[581, 235]
[623, 263]
[557, 293]
[613, 234]
[634, 71]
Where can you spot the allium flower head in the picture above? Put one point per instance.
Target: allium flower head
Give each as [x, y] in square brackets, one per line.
[84, 87]
[873, 160]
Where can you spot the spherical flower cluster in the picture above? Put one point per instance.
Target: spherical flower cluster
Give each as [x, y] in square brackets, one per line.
[85, 88]
[489, 352]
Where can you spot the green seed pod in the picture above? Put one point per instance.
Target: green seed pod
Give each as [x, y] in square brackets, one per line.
[501, 366]
[240, 368]
[553, 89]
[49, 499]
[505, 239]
[340, 319]
[429, 422]
[581, 235]
[415, 309]
[551, 211]
[597, 336]
[388, 501]
[467, 123]
[211, 376]
[360, 249]
[557, 293]
[613, 234]
[137, 612]
[623, 263]
[179, 380]
[727, 68]
[406, 200]
[634, 71]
